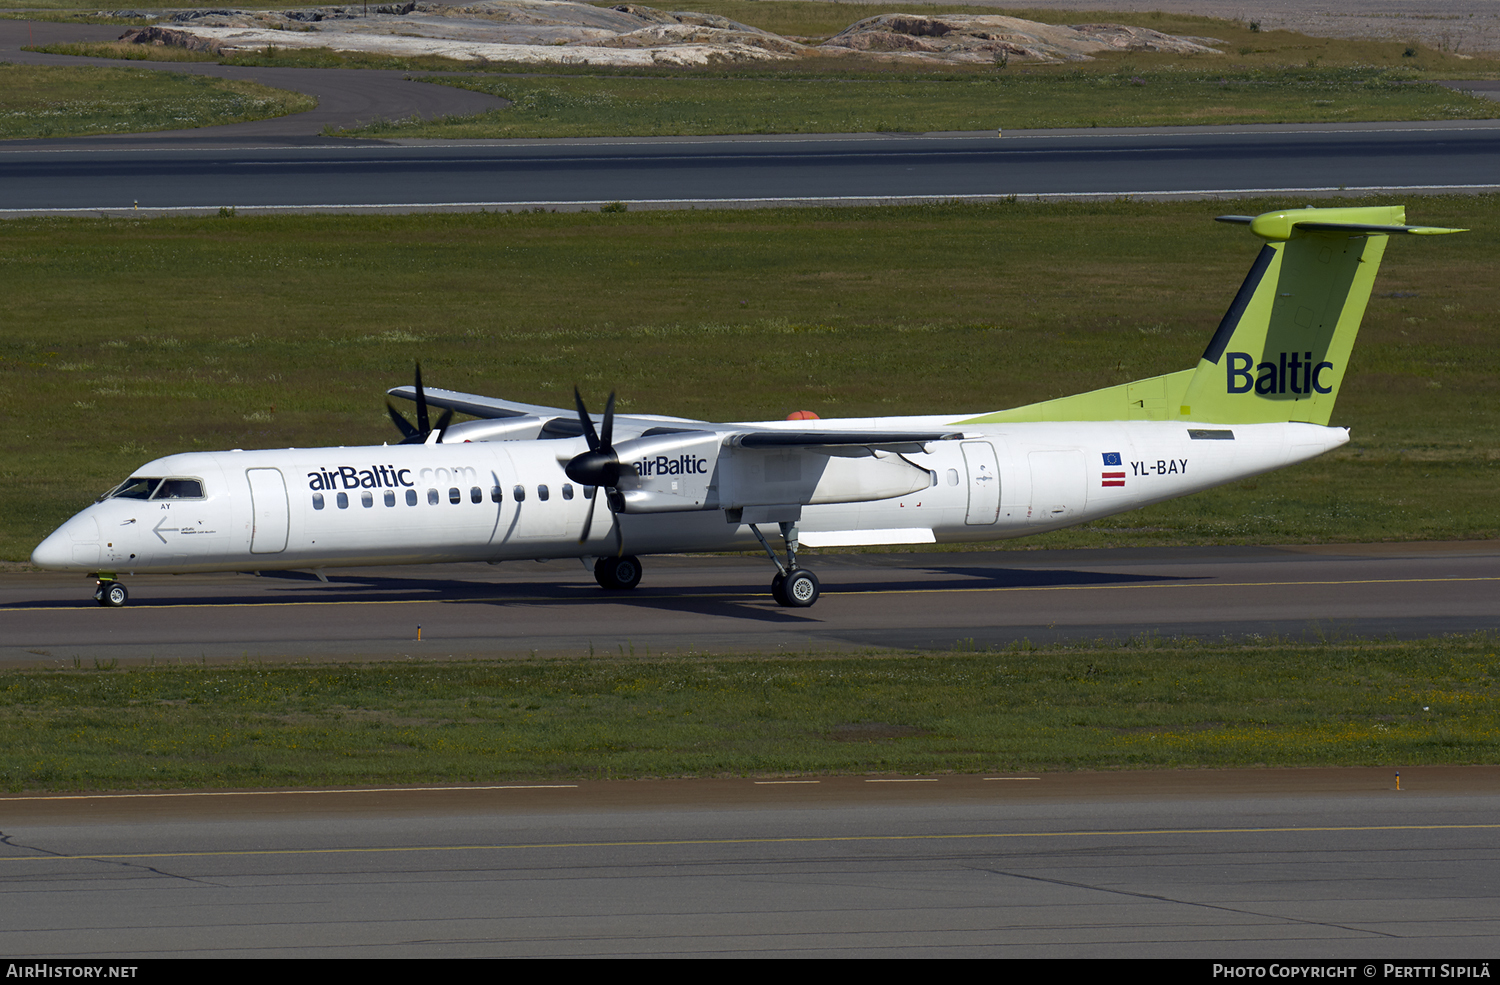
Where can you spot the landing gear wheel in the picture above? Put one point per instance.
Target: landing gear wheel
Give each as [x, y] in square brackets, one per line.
[778, 589]
[618, 573]
[111, 594]
[798, 591]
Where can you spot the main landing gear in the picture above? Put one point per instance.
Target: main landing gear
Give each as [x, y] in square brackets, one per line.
[618, 573]
[792, 587]
[111, 593]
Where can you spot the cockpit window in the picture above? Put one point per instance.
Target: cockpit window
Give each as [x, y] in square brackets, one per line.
[179, 489]
[135, 487]
[141, 487]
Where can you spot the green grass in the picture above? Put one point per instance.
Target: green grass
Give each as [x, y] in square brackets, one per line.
[131, 339]
[125, 51]
[63, 101]
[622, 106]
[1133, 704]
[1262, 77]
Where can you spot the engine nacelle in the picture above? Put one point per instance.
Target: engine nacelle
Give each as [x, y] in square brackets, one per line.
[813, 475]
[668, 473]
[493, 429]
[693, 470]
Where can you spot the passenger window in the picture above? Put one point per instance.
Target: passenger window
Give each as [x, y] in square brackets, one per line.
[495, 494]
[588, 492]
[411, 497]
[476, 495]
[432, 497]
[541, 493]
[454, 497]
[366, 500]
[567, 490]
[343, 501]
[519, 494]
[953, 477]
[390, 497]
[317, 501]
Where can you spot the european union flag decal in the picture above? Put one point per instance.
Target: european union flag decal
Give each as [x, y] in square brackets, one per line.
[1111, 458]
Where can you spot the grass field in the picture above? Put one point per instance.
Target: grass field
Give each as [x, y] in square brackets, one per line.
[1262, 77]
[1145, 703]
[617, 106]
[127, 340]
[63, 101]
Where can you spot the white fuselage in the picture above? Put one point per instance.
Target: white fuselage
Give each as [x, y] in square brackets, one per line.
[500, 500]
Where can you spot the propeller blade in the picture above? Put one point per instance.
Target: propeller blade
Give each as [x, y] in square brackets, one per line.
[423, 424]
[402, 424]
[445, 420]
[589, 433]
[588, 518]
[609, 425]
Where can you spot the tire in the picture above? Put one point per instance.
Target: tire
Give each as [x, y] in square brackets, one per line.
[618, 573]
[801, 589]
[778, 589]
[112, 595]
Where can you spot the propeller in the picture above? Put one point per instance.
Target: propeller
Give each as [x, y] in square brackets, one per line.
[598, 467]
[418, 434]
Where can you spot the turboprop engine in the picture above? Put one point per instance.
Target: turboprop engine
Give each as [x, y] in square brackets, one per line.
[697, 470]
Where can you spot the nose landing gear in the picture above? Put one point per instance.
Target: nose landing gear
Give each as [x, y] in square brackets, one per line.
[110, 593]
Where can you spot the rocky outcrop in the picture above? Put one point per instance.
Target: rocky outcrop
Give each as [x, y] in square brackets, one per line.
[563, 32]
[166, 37]
[982, 37]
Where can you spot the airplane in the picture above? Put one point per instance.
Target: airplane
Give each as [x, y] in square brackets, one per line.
[523, 481]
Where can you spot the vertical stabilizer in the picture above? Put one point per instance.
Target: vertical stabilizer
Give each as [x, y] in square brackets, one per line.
[1281, 351]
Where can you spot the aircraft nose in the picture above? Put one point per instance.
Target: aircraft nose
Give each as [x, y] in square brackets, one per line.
[74, 545]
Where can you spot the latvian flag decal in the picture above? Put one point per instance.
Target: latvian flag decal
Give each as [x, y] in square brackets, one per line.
[1110, 477]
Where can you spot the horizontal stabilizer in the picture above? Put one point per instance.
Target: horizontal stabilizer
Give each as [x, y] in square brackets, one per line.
[1357, 227]
[1355, 222]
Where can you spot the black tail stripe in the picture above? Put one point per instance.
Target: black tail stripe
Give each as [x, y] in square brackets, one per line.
[1231, 321]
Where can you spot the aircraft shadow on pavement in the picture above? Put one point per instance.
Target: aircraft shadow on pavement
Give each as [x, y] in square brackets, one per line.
[750, 599]
[979, 577]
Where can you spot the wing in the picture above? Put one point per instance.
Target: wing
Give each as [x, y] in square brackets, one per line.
[775, 471]
[475, 405]
[898, 442]
[511, 419]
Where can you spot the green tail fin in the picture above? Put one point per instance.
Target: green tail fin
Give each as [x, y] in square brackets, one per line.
[1281, 350]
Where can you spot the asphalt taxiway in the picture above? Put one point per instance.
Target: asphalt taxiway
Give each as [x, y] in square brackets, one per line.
[723, 604]
[1194, 864]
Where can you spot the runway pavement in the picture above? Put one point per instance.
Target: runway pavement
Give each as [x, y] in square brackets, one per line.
[96, 176]
[723, 604]
[1263, 864]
